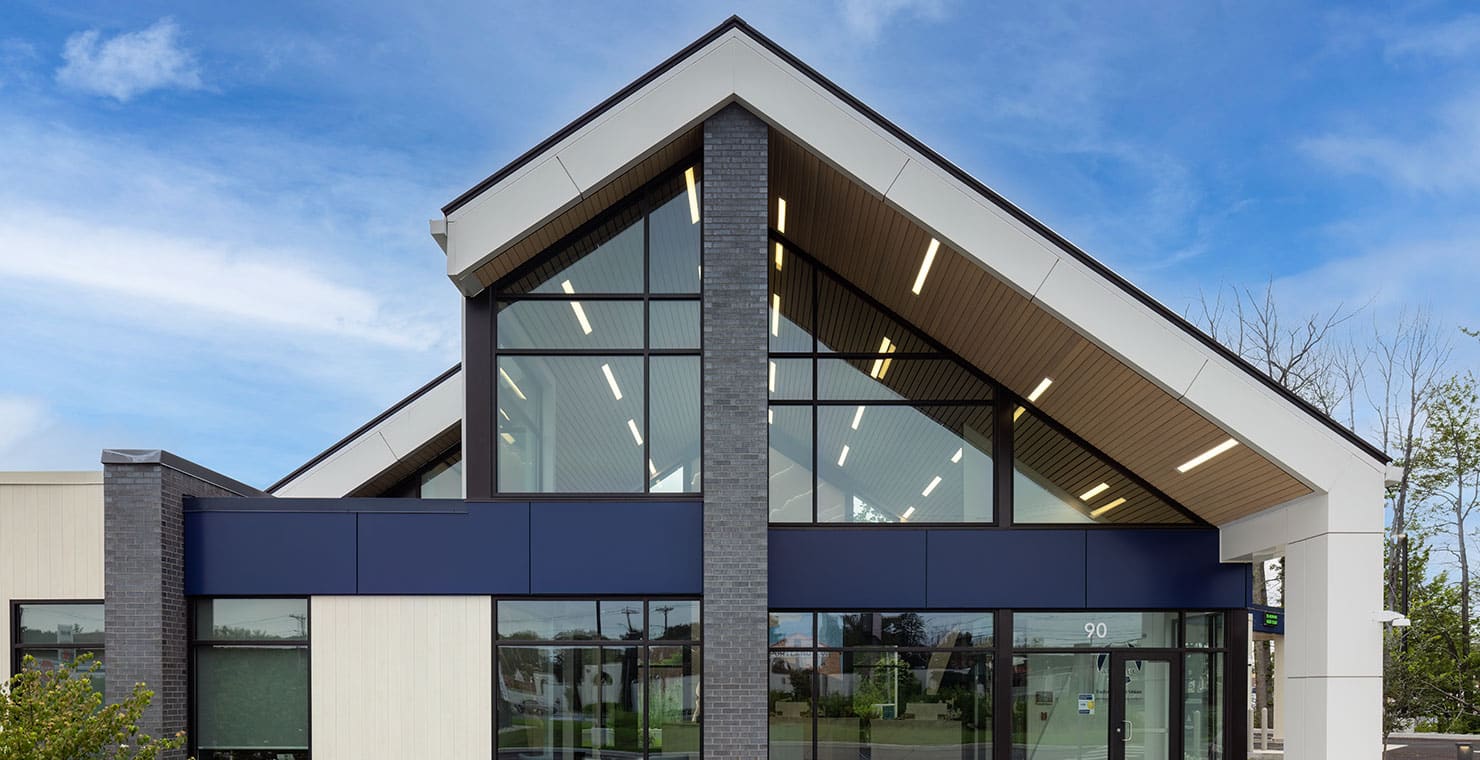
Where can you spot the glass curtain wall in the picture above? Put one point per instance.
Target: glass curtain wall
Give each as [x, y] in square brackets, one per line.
[57, 633]
[888, 686]
[586, 679]
[251, 679]
[869, 423]
[597, 353]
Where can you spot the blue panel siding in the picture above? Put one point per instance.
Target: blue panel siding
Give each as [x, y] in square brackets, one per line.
[1161, 568]
[820, 568]
[848, 568]
[616, 548]
[485, 551]
[247, 553]
[1006, 568]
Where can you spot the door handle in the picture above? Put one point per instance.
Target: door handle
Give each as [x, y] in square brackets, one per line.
[1130, 728]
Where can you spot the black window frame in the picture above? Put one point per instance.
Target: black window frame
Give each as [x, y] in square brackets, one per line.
[18, 649]
[196, 643]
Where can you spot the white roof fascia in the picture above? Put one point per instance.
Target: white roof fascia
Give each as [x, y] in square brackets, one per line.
[736, 67]
[381, 446]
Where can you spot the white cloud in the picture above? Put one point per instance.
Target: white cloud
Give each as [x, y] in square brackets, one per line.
[20, 418]
[866, 18]
[1444, 160]
[1455, 39]
[129, 64]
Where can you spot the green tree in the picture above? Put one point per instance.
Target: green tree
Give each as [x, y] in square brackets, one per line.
[1447, 475]
[58, 715]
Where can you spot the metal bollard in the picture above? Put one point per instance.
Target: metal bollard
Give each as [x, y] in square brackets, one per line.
[1463, 751]
[1264, 728]
[1251, 729]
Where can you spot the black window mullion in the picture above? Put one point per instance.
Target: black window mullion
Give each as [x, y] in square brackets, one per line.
[647, 392]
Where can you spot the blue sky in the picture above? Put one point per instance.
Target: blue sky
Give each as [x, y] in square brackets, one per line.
[213, 216]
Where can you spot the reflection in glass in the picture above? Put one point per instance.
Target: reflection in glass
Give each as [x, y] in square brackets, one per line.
[673, 247]
[895, 705]
[570, 424]
[904, 464]
[790, 463]
[1094, 629]
[789, 304]
[621, 620]
[790, 681]
[547, 620]
[251, 619]
[1046, 720]
[606, 260]
[1055, 480]
[790, 378]
[914, 629]
[1202, 712]
[674, 702]
[1205, 629]
[1148, 709]
[673, 410]
[251, 697]
[674, 620]
[575, 324]
[790, 629]
[443, 480]
[673, 324]
[568, 702]
[906, 380]
[61, 624]
[53, 659]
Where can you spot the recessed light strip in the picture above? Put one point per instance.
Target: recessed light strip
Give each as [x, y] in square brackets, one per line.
[925, 266]
[857, 417]
[775, 313]
[778, 257]
[632, 426]
[1206, 455]
[906, 516]
[1038, 391]
[780, 217]
[956, 457]
[935, 481]
[688, 178]
[606, 369]
[1106, 508]
[1093, 492]
[512, 385]
[843, 457]
[772, 383]
[576, 307]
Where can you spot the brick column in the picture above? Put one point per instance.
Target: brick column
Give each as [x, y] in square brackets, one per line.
[735, 435]
[145, 615]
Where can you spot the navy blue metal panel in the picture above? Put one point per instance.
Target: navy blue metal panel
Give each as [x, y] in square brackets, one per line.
[831, 569]
[654, 547]
[1161, 568]
[247, 553]
[348, 504]
[485, 551]
[1021, 569]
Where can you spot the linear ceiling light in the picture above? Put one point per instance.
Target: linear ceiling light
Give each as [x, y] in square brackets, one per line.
[925, 266]
[881, 365]
[1206, 455]
[935, 481]
[906, 516]
[1018, 413]
[512, 385]
[778, 257]
[606, 369]
[775, 313]
[857, 417]
[688, 178]
[771, 416]
[509, 439]
[632, 425]
[843, 457]
[956, 457]
[772, 383]
[576, 307]
[652, 469]
[1107, 507]
[504, 413]
[1093, 492]
[781, 215]
[1038, 391]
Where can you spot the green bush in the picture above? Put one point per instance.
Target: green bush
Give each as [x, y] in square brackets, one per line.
[58, 715]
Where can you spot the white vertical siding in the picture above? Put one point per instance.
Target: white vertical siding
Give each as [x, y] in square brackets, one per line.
[51, 541]
[402, 676]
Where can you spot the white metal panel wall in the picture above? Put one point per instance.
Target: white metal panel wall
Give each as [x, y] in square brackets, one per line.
[51, 541]
[402, 676]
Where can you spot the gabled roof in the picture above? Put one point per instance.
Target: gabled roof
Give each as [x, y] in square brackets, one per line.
[736, 64]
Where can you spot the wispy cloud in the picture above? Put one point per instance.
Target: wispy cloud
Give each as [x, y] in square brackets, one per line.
[20, 418]
[129, 64]
[866, 18]
[1453, 39]
[1445, 159]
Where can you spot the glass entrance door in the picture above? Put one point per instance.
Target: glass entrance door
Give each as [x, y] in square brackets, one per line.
[1143, 707]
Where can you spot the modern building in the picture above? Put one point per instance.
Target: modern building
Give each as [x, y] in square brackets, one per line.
[775, 435]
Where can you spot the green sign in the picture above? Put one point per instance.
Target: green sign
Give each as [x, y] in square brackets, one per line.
[1272, 619]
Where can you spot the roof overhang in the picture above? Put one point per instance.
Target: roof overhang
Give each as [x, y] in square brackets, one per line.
[735, 64]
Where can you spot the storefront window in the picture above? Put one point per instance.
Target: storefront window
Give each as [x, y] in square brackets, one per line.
[251, 679]
[54, 634]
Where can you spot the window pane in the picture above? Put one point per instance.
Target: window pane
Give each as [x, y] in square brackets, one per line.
[915, 629]
[549, 701]
[790, 303]
[1046, 721]
[904, 464]
[790, 629]
[61, 624]
[789, 694]
[1096, 629]
[674, 620]
[582, 324]
[1205, 629]
[895, 705]
[674, 424]
[890, 379]
[1203, 711]
[790, 378]
[443, 480]
[1055, 480]
[251, 697]
[608, 260]
[547, 621]
[673, 702]
[251, 619]
[673, 246]
[848, 323]
[791, 463]
[54, 659]
[673, 324]
[621, 621]
[617, 688]
[570, 424]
